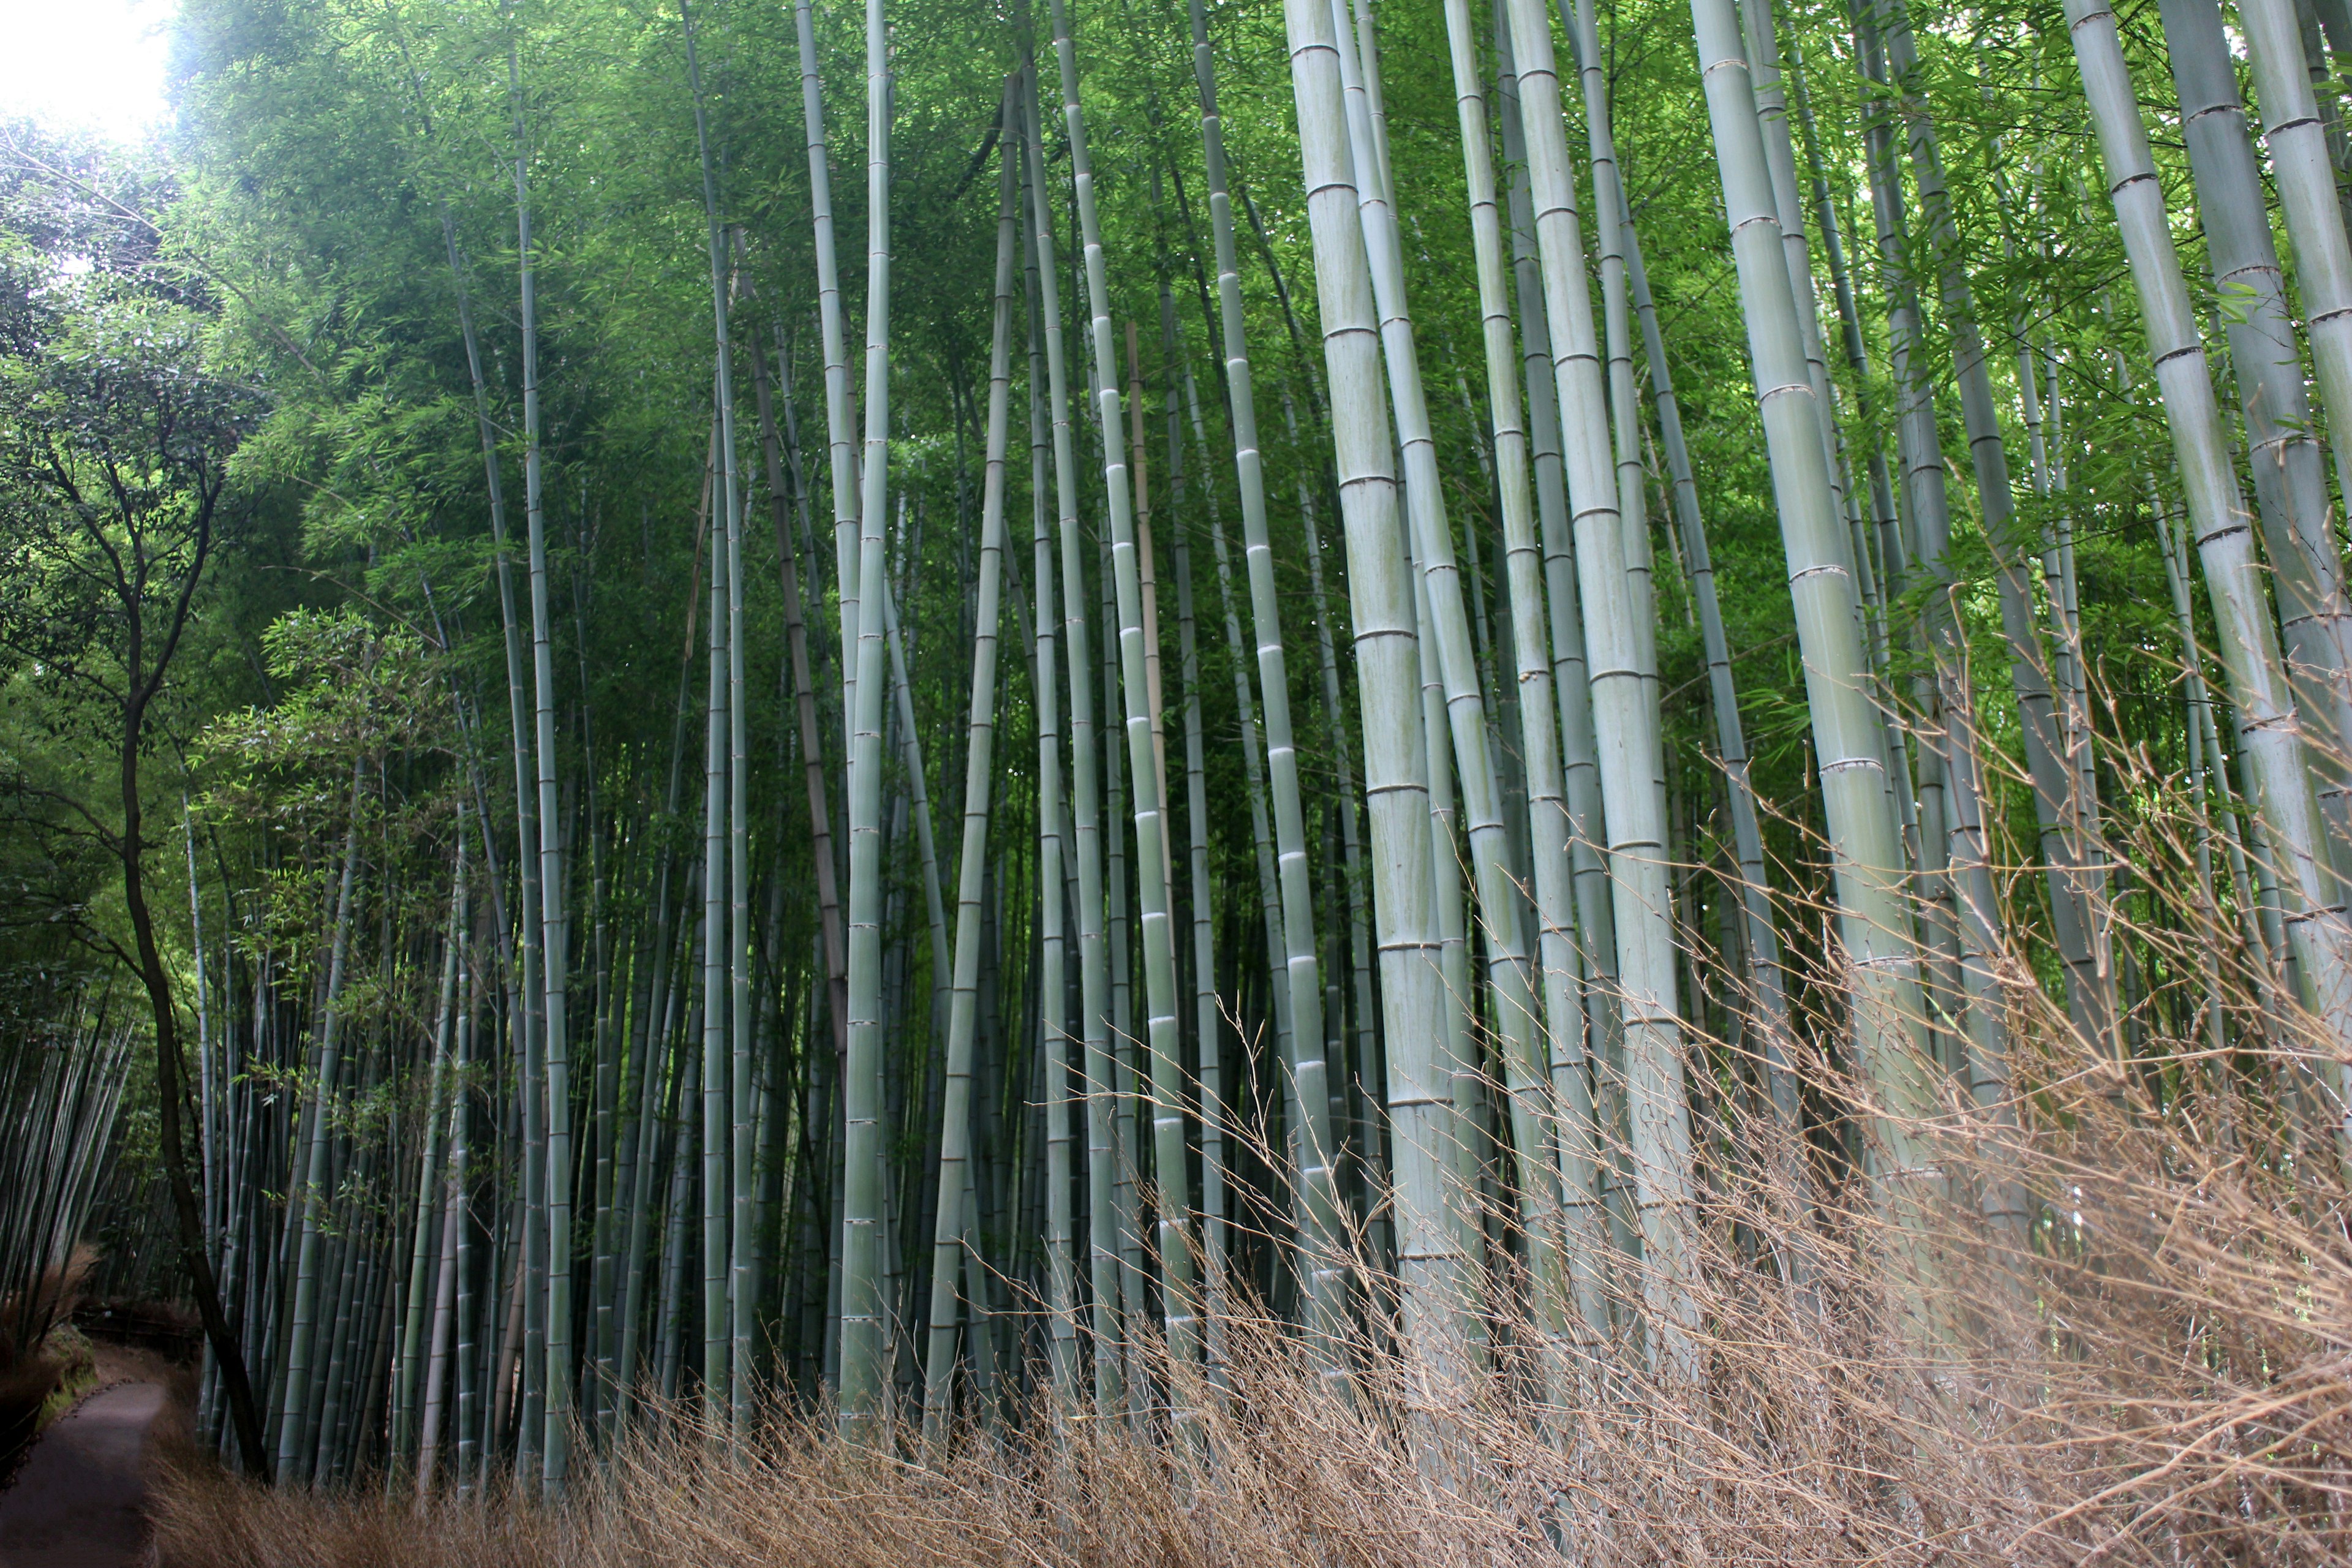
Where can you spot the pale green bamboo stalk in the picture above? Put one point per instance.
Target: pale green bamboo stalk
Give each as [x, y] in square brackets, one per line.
[420, 1255]
[446, 1307]
[918, 801]
[1151, 858]
[547, 1398]
[1514, 1008]
[1459, 1053]
[949, 1246]
[1625, 721]
[1869, 865]
[1093, 969]
[1566, 1117]
[1581, 768]
[1269, 888]
[1061, 1262]
[864, 1378]
[2296, 142]
[1396, 771]
[301, 1314]
[2076, 882]
[715, 1141]
[840, 396]
[1208, 1020]
[1368, 1071]
[2207, 742]
[1761, 941]
[1301, 958]
[527, 863]
[1950, 736]
[741, 1285]
[2283, 459]
[2271, 743]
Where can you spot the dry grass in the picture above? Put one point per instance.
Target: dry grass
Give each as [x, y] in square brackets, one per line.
[2156, 1374]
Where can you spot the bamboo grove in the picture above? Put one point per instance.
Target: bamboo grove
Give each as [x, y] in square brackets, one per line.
[1389, 648]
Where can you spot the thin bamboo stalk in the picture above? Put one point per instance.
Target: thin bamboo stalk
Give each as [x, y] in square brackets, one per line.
[863, 1373]
[1093, 969]
[951, 1241]
[1625, 720]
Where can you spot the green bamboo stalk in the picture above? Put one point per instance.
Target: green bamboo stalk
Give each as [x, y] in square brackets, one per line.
[809, 731]
[2272, 744]
[1869, 865]
[741, 1286]
[840, 396]
[863, 1373]
[1514, 1014]
[1625, 717]
[2295, 138]
[1396, 769]
[1581, 768]
[1301, 961]
[2289, 475]
[2076, 882]
[1567, 1117]
[950, 1239]
[1951, 735]
[447, 1307]
[302, 1314]
[715, 1141]
[420, 1258]
[1061, 1263]
[1151, 861]
[550, 1404]
[1093, 969]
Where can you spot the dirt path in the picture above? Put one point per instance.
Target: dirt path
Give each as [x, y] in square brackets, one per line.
[78, 1501]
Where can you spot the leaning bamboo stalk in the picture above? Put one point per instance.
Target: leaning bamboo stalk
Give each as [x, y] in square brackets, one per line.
[1151, 858]
[2271, 743]
[542, 1349]
[2076, 881]
[2293, 136]
[1569, 1116]
[810, 730]
[1094, 967]
[1865, 838]
[421, 1254]
[526, 1020]
[302, 1314]
[840, 396]
[1294, 878]
[1396, 769]
[2289, 474]
[1061, 1263]
[447, 1307]
[1760, 941]
[1579, 759]
[953, 1219]
[1950, 738]
[1625, 718]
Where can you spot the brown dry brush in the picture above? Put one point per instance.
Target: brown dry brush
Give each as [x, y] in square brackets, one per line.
[2156, 1372]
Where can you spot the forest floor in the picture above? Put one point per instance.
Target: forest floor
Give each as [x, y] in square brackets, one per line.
[80, 1500]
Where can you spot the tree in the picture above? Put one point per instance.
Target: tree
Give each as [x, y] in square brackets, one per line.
[116, 449]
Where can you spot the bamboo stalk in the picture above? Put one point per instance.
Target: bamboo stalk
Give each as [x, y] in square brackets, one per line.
[1396, 770]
